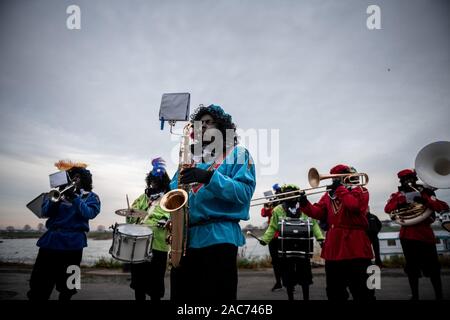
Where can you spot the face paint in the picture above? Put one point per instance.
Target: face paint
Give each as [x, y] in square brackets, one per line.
[208, 123]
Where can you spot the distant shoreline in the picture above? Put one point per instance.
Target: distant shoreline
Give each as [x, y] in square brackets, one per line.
[33, 234]
[108, 235]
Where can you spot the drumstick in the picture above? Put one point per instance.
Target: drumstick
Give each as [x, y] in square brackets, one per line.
[128, 203]
[249, 233]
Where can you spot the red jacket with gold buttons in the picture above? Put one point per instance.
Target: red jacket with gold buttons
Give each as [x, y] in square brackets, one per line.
[347, 219]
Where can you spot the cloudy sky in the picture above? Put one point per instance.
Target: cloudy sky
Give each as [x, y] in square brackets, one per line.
[336, 91]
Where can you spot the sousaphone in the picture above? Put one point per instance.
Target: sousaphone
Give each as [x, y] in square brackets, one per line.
[432, 166]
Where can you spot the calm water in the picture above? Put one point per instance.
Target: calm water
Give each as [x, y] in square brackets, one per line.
[25, 250]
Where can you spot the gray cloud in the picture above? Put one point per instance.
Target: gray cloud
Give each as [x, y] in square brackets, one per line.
[336, 91]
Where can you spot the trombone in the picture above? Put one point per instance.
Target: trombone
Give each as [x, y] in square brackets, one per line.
[348, 180]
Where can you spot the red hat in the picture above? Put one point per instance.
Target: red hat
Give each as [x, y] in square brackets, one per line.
[340, 168]
[405, 173]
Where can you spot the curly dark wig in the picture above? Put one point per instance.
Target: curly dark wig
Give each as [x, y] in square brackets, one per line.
[223, 120]
[162, 182]
[85, 177]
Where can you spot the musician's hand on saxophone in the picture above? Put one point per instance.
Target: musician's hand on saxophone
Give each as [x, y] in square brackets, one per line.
[193, 175]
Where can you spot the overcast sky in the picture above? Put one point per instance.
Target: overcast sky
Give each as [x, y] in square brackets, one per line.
[336, 91]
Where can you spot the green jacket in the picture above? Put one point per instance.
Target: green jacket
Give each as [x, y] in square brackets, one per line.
[278, 214]
[156, 214]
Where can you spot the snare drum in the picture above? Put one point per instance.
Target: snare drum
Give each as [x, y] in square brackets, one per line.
[296, 238]
[132, 243]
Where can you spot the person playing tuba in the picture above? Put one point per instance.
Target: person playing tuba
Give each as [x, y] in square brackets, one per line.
[418, 240]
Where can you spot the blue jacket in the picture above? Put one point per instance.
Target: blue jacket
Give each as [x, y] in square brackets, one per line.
[68, 223]
[225, 198]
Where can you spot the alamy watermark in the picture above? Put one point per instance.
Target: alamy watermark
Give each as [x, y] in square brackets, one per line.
[373, 21]
[74, 280]
[263, 147]
[73, 21]
[374, 279]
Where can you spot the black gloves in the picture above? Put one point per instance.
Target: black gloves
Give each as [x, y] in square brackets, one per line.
[303, 200]
[262, 243]
[162, 223]
[419, 200]
[70, 195]
[191, 175]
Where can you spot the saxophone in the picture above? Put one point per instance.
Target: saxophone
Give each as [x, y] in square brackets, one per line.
[175, 202]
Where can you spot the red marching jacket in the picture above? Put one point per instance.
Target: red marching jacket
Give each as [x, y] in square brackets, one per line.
[347, 219]
[421, 231]
[266, 212]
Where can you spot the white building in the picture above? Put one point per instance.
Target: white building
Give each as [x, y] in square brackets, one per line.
[390, 243]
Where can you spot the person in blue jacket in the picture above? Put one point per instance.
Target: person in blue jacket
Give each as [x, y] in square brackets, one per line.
[62, 245]
[223, 182]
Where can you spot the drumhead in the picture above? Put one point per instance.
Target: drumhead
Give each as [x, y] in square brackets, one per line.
[134, 230]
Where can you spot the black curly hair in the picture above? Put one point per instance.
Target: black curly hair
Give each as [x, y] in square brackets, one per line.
[162, 182]
[223, 120]
[85, 177]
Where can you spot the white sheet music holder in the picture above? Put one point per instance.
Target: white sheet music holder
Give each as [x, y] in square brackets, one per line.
[58, 179]
[174, 107]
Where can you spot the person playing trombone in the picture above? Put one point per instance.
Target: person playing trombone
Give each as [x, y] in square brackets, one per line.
[347, 249]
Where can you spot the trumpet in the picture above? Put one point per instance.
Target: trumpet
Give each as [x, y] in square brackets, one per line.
[55, 195]
[314, 178]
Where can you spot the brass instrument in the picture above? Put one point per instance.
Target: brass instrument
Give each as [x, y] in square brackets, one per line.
[411, 214]
[55, 195]
[314, 179]
[175, 202]
[432, 166]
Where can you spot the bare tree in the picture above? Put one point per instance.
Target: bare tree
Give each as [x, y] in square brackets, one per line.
[40, 227]
[101, 228]
[26, 227]
[10, 228]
